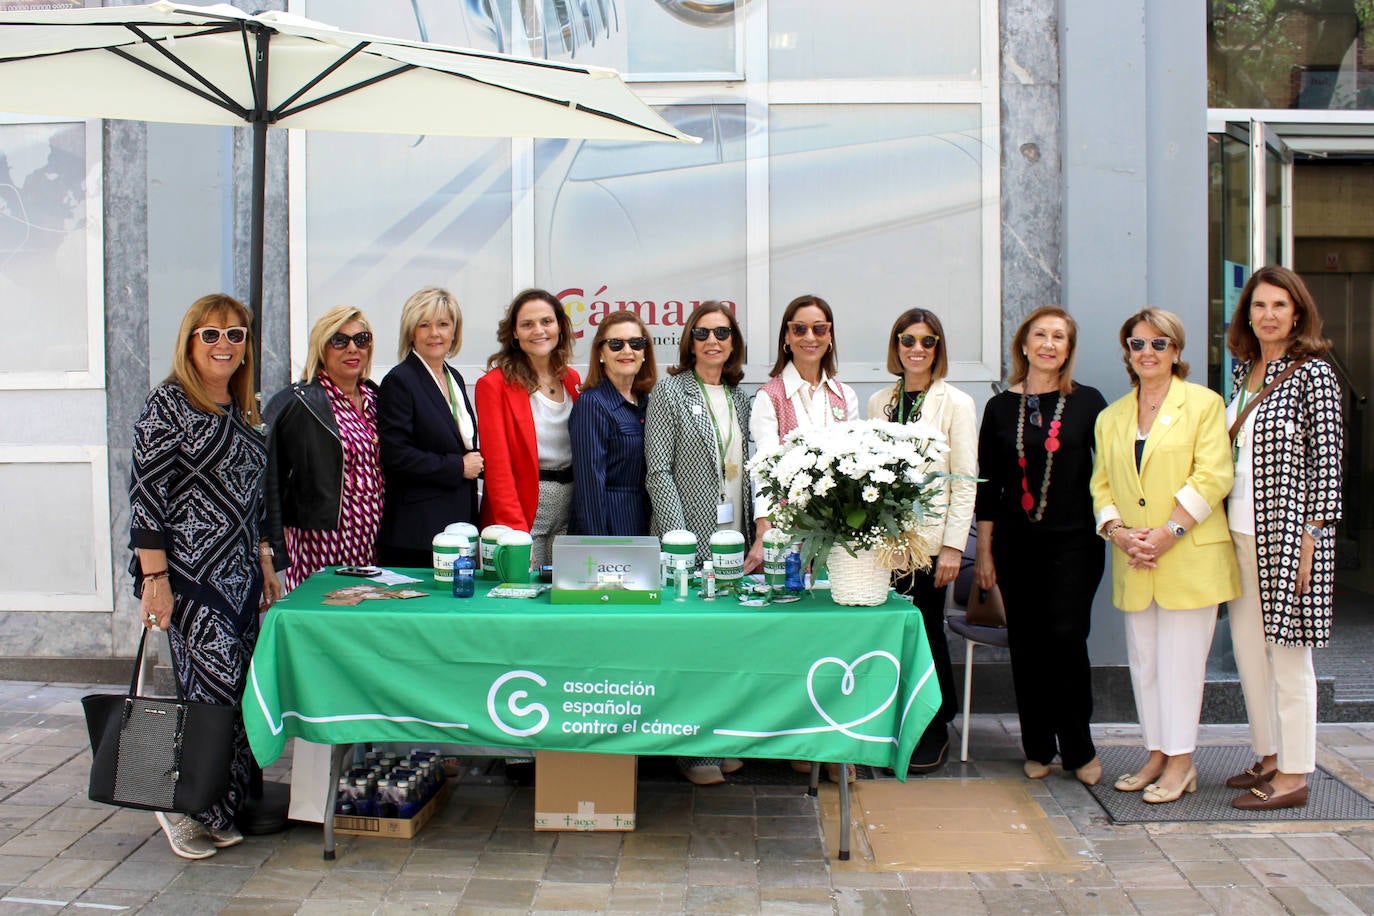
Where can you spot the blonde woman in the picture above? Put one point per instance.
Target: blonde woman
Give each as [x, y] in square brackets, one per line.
[324, 469]
[917, 354]
[428, 432]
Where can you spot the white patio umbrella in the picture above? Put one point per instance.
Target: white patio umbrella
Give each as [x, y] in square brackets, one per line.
[218, 65]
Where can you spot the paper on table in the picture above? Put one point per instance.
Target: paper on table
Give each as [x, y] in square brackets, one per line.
[391, 577]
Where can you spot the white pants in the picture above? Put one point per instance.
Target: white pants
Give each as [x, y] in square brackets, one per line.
[1167, 650]
[1279, 682]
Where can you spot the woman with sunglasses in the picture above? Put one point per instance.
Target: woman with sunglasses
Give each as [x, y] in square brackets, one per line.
[200, 570]
[324, 471]
[916, 354]
[428, 433]
[523, 405]
[801, 390]
[607, 431]
[1163, 467]
[1286, 445]
[1037, 542]
[694, 452]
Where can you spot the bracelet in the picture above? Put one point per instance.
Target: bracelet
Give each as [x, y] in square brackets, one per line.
[1107, 535]
[160, 574]
[1314, 530]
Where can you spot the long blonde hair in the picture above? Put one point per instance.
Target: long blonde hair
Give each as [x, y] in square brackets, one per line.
[184, 370]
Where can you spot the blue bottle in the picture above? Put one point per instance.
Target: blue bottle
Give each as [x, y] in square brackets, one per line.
[792, 575]
[464, 574]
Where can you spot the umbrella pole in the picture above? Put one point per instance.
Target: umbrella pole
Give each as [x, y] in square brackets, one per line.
[258, 203]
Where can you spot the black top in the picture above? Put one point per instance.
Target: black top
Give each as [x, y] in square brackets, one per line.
[1069, 504]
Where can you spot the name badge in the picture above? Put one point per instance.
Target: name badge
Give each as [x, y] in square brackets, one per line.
[725, 513]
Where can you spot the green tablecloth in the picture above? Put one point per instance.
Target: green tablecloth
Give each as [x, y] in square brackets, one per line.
[809, 680]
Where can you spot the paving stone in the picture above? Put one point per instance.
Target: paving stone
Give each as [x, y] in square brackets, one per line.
[650, 846]
[143, 875]
[281, 883]
[589, 844]
[1346, 871]
[208, 878]
[1242, 901]
[1284, 872]
[440, 863]
[1091, 901]
[723, 872]
[714, 899]
[722, 847]
[1030, 902]
[1169, 901]
[1325, 846]
[1131, 849]
[80, 873]
[425, 890]
[647, 898]
[1256, 847]
[15, 816]
[1223, 873]
[793, 874]
[498, 893]
[14, 869]
[510, 866]
[335, 908]
[351, 886]
[796, 901]
[580, 870]
[1185, 848]
[651, 871]
[561, 897]
[260, 906]
[1325, 900]
[167, 904]
[1007, 880]
[1147, 874]
[947, 902]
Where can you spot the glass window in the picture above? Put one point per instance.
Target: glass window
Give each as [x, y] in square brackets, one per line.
[873, 39]
[1301, 54]
[876, 208]
[388, 215]
[43, 219]
[653, 227]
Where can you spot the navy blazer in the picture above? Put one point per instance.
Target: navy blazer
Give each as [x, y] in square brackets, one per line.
[607, 434]
[422, 455]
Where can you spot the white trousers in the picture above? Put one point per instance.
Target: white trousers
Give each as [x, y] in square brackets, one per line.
[1279, 682]
[1167, 650]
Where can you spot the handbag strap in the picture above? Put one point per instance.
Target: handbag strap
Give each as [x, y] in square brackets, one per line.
[136, 680]
[1261, 395]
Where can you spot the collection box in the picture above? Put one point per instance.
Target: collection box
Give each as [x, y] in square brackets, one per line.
[579, 791]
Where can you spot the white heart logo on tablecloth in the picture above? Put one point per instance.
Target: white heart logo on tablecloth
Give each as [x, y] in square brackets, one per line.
[847, 685]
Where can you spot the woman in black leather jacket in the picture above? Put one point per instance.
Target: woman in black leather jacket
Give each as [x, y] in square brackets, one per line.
[318, 513]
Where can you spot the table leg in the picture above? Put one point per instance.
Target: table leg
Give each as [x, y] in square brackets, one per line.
[815, 788]
[336, 757]
[844, 813]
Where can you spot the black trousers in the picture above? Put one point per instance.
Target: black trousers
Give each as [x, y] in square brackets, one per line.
[1047, 584]
[920, 588]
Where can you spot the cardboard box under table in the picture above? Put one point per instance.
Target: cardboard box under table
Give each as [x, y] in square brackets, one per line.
[402, 828]
[584, 791]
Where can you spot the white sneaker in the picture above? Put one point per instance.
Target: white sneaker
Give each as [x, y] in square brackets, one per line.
[186, 836]
[223, 839]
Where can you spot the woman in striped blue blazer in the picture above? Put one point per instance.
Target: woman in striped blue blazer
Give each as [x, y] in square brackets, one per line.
[607, 431]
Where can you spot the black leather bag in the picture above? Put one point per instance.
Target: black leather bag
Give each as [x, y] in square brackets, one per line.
[158, 754]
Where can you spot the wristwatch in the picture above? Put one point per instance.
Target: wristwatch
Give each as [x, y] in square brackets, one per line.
[1178, 530]
[1314, 530]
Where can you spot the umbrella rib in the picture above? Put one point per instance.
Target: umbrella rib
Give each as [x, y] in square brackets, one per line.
[227, 104]
[180, 64]
[282, 112]
[322, 75]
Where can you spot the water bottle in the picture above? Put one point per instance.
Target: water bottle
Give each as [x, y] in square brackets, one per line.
[708, 580]
[464, 574]
[792, 575]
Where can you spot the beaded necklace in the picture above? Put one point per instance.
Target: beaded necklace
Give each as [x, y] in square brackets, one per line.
[1051, 446]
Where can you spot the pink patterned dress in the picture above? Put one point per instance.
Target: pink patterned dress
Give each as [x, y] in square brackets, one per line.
[354, 541]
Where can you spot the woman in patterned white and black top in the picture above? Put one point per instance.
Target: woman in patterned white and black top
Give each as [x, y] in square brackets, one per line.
[324, 470]
[196, 510]
[1282, 511]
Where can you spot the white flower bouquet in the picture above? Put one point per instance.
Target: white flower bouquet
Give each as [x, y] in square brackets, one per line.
[863, 485]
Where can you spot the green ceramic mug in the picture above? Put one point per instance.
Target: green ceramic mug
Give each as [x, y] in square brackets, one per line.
[512, 557]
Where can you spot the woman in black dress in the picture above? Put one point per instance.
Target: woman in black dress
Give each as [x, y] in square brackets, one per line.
[1037, 539]
[196, 505]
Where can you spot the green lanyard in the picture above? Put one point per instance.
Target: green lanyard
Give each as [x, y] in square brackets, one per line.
[903, 415]
[722, 445]
[1240, 410]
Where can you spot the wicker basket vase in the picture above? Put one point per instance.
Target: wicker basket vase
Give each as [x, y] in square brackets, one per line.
[859, 580]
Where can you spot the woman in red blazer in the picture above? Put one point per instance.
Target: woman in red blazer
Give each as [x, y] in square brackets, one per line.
[523, 403]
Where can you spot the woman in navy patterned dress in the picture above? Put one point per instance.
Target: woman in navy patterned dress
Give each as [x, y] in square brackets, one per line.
[607, 431]
[1282, 511]
[324, 469]
[200, 570]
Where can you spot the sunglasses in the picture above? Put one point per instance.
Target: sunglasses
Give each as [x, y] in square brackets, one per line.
[799, 328]
[362, 340]
[1159, 344]
[210, 336]
[1033, 402]
[616, 344]
[722, 333]
[910, 340]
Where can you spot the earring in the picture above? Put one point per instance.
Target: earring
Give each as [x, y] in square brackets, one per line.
[787, 348]
[601, 361]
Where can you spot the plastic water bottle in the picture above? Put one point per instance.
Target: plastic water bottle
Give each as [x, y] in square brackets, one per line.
[464, 574]
[792, 577]
[708, 580]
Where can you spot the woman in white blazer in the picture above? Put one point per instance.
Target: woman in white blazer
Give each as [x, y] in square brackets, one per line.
[917, 355]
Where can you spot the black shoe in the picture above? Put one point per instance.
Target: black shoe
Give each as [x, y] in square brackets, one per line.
[930, 752]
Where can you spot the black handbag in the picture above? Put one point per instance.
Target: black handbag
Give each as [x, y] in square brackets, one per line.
[158, 754]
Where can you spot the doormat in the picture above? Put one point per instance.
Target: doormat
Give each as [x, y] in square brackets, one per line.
[1328, 799]
[977, 825]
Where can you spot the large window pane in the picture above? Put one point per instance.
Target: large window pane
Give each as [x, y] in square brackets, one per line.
[873, 39]
[652, 226]
[638, 37]
[877, 208]
[43, 247]
[1297, 54]
[390, 214]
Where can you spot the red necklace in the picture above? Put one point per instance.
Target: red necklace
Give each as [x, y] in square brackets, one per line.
[1028, 502]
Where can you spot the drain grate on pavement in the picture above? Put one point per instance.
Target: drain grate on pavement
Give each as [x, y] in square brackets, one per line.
[1329, 799]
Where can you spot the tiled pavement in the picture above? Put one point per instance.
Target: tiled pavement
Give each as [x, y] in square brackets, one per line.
[730, 849]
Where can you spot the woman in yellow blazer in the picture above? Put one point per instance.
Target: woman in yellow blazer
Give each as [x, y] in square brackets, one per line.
[1162, 468]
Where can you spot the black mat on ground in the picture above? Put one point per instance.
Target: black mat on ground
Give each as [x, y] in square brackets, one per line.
[1329, 799]
[755, 773]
